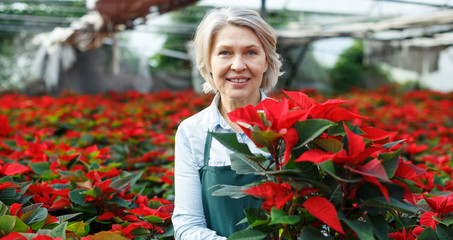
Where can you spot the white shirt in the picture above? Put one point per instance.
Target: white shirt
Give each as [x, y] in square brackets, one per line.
[188, 216]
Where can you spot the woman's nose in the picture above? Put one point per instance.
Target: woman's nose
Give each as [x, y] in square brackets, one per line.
[238, 64]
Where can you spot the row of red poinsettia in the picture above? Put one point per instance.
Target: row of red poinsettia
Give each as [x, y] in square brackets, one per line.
[100, 166]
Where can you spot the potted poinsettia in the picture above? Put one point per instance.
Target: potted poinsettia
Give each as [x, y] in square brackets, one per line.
[328, 177]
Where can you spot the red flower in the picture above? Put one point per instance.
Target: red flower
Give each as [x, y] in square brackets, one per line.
[275, 122]
[327, 110]
[325, 211]
[402, 235]
[275, 194]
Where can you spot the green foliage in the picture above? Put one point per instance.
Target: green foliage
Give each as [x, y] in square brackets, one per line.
[350, 72]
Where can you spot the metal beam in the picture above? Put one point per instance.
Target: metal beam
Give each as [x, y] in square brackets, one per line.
[418, 3]
[33, 18]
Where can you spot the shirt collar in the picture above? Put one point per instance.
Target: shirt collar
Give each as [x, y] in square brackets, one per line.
[215, 118]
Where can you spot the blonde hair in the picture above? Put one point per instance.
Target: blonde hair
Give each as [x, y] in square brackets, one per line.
[216, 20]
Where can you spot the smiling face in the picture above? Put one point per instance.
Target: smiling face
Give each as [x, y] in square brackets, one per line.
[238, 62]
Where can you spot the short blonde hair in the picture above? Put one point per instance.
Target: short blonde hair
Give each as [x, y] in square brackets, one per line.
[216, 20]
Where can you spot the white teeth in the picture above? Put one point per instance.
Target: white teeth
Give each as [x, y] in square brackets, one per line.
[238, 80]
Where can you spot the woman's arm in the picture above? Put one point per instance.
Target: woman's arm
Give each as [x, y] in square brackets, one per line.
[188, 217]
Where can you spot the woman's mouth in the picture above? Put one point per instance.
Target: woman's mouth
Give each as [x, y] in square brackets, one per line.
[241, 80]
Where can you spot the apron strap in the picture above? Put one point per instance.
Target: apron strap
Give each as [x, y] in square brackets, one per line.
[207, 148]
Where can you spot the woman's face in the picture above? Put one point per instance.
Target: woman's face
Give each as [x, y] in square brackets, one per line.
[238, 62]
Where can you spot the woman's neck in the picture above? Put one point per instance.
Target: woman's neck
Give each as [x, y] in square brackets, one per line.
[226, 106]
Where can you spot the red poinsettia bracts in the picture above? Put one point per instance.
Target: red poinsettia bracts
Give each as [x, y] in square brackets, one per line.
[276, 121]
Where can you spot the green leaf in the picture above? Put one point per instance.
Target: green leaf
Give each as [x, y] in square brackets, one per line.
[264, 138]
[447, 221]
[242, 165]
[10, 224]
[78, 197]
[81, 229]
[278, 216]
[120, 184]
[329, 167]
[247, 234]
[38, 215]
[389, 145]
[330, 144]
[395, 204]
[3, 208]
[94, 192]
[132, 176]
[230, 141]
[65, 217]
[154, 219]
[59, 231]
[390, 162]
[231, 191]
[257, 216]
[363, 230]
[41, 168]
[310, 129]
[428, 234]
[310, 233]
[104, 235]
[444, 232]
[31, 207]
[38, 225]
[120, 201]
[379, 226]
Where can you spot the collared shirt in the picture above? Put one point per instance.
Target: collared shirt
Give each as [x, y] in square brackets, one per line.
[188, 217]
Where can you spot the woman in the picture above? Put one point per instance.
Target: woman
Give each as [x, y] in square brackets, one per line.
[236, 54]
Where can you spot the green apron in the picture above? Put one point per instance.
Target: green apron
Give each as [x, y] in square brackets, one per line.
[223, 213]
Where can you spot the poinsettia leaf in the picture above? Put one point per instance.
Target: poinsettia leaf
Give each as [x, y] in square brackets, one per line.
[390, 162]
[310, 233]
[444, 232]
[234, 192]
[392, 144]
[323, 210]
[247, 234]
[395, 204]
[243, 165]
[10, 224]
[428, 234]
[94, 192]
[447, 221]
[11, 169]
[38, 225]
[374, 168]
[315, 156]
[81, 229]
[379, 226]
[278, 216]
[41, 168]
[230, 141]
[58, 231]
[78, 197]
[120, 201]
[329, 167]
[363, 230]
[120, 184]
[264, 138]
[36, 216]
[329, 144]
[31, 207]
[154, 219]
[310, 129]
[4, 208]
[65, 217]
[256, 216]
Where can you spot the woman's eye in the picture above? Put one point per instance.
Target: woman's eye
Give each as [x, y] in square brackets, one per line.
[251, 52]
[223, 53]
